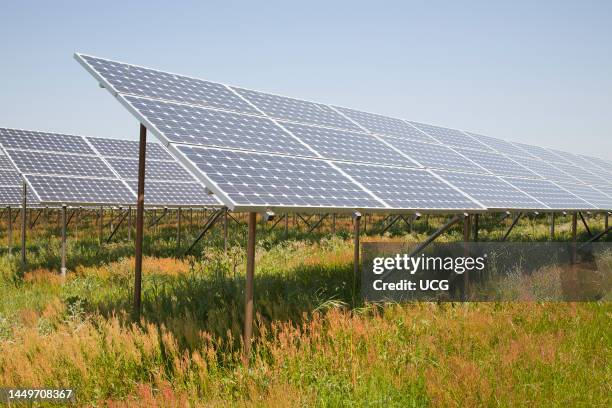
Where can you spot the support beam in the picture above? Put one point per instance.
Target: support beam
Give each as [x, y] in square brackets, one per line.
[157, 220]
[306, 221]
[574, 235]
[100, 225]
[275, 224]
[356, 249]
[139, 222]
[249, 289]
[586, 226]
[552, 226]
[466, 253]
[476, 216]
[333, 231]
[606, 221]
[129, 231]
[436, 234]
[33, 223]
[209, 223]
[10, 231]
[226, 231]
[315, 225]
[114, 231]
[286, 233]
[234, 219]
[178, 229]
[64, 225]
[597, 237]
[390, 224]
[24, 204]
[516, 220]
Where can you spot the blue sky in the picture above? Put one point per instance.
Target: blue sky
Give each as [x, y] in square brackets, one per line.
[535, 72]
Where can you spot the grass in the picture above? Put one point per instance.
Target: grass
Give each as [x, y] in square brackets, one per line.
[315, 344]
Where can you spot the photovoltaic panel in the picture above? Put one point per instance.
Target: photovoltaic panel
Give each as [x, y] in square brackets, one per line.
[543, 169]
[384, 125]
[450, 137]
[128, 149]
[581, 174]
[10, 195]
[5, 163]
[601, 163]
[175, 194]
[135, 80]
[62, 190]
[491, 191]
[10, 178]
[31, 162]
[338, 144]
[606, 189]
[408, 188]
[296, 110]
[435, 156]
[550, 194]
[49, 142]
[496, 163]
[541, 153]
[263, 180]
[599, 200]
[206, 127]
[498, 145]
[154, 170]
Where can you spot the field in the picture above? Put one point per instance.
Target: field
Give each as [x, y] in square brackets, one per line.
[316, 343]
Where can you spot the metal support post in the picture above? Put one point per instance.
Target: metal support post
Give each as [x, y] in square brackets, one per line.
[248, 301]
[139, 221]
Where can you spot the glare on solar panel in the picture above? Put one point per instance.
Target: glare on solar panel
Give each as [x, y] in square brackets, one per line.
[175, 194]
[31, 162]
[498, 145]
[491, 191]
[74, 190]
[10, 178]
[496, 163]
[11, 195]
[599, 200]
[541, 153]
[155, 170]
[550, 194]
[412, 189]
[42, 141]
[128, 149]
[450, 137]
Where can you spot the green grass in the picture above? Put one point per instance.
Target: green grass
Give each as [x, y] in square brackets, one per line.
[315, 344]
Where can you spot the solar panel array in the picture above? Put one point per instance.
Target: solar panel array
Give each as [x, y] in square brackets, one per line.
[257, 150]
[75, 170]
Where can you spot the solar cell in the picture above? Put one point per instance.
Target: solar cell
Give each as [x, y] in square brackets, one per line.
[128, 149]
[5, 163]
[581, 174]
[550, 194]
[296, 110]
[135, 80]
[412, 189]
[589, 194]
[10, 195]
[491, 191]
[74, 190]
[496, 163]
[338, 144]
[498, 145]
[154, 170]
[384, 125]
[10, 178]
[541, 153]
[263, 180]
[175, 194]
[601, 163]
[31, 162]
[450, 137]
[207, 127]
[434, 156]
[50, 142]
[543, 169]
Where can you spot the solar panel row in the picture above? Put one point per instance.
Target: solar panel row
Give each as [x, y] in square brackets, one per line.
[257, 149]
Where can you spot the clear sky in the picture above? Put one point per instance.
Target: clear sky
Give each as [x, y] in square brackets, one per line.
[538, 72]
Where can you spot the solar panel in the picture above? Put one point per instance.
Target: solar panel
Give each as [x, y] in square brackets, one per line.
[135, 80]
[435, 156]
[607, 189]
[498, 145]
[411, 189]
[175, 194]
[491, 191]
[10, 178]
[550, 194]
[264, 180]
[601, 163]
[450, 137]
[200, 126]
[11, 195]
[543, 169]
[582, 175]
[75, 190]
[128, 149]
[5, 163]
[496, 163]
[154, 170]
[541, 153]
[589, 194]
[345, 145]
[32, 162]
[384, 125]
[296, 110]
[42, 141]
